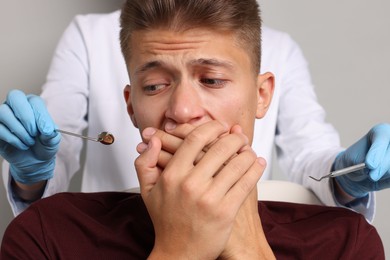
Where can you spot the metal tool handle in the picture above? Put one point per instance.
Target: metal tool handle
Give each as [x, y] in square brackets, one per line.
[348, 170]
[77, 135]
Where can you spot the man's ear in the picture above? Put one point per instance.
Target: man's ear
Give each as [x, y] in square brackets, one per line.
[129, 105]
[265, 90]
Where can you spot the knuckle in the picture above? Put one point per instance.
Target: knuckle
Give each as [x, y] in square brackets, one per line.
[15, 97]
[236, 167]
[239, 139]
[381, 127]
[139, 163]
[13, 94]
[219, 149]
[249, 155]
[228, 145]
[243, 138]
[183, 130]
[195, 137]
[188, 187]
[163, 136]
[208, 203]
[34, 99]
[167, 180]
[240, 162]
[225, 215]
[160, 134]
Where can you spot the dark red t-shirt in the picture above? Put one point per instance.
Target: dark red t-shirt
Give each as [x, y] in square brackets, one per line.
[116, 225]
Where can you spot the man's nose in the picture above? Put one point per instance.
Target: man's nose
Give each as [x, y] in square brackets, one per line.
[185, 104]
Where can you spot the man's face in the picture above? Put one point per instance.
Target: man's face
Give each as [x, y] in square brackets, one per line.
[194, 77]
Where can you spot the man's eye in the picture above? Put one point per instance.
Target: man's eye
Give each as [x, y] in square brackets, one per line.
[152, 89]
[213, 82]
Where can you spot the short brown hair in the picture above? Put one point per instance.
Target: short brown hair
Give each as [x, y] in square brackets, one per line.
[239, 16]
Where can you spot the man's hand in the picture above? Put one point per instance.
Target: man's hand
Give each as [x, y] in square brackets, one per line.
[374, 150]
[192, 204]
[247, 238]
[28, 140]
[171, 139]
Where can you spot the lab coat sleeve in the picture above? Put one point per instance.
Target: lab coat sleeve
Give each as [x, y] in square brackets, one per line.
[66, 95]
[305, 143]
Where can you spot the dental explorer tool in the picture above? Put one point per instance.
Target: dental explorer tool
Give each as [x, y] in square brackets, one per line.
[341, 171]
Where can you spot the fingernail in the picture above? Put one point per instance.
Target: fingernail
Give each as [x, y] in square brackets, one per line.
[142, 147]
[169, 126]
[261, 161]
[148, 132]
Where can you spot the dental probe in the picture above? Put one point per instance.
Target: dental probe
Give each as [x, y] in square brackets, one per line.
[342, 171]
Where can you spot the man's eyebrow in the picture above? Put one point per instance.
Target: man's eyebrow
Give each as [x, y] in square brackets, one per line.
[148, 66]
[213, 62]
[205, 62]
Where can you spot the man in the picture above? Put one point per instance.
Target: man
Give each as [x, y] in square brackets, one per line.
[194, 73]
[81, 93]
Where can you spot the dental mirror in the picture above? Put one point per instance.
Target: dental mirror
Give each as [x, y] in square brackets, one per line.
[105, 138]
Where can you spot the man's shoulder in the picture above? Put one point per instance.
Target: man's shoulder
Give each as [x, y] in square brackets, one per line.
[297, 230]
[314, 219]
[101, 199]
[58, 224]
[293, 212]
[83, 205]
[69, 208]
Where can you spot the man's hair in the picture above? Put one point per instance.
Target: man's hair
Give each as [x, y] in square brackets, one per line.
[242, 17]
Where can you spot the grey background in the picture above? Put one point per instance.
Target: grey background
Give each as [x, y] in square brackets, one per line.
[347, 44]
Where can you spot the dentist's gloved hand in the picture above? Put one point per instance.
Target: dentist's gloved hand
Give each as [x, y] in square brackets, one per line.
[374, 150]
[28, 140]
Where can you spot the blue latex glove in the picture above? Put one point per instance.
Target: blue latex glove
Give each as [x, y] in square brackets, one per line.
[374, 150]
[28, 140]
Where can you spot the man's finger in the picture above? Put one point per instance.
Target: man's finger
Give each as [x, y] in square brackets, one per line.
[146, 166]
[232, 171]
[180, 131]
[194, 143]
[169, 142]
[220, 153]
[247, 182]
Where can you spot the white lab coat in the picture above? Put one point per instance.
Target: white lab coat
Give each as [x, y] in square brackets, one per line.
[85, 89]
